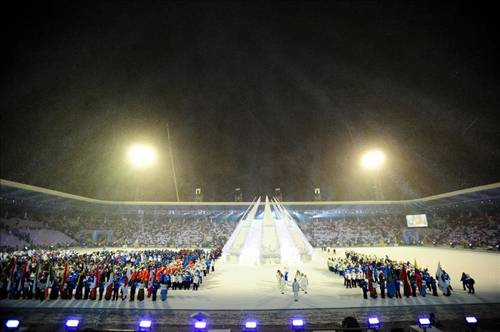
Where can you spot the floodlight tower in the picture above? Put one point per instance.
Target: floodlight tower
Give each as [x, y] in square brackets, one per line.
[372, 161]
[238, 195]
[172, 163]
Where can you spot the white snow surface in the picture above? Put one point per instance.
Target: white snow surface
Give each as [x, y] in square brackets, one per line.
[236, 287]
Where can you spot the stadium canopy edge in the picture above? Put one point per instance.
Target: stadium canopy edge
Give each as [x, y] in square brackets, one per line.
[6, 186]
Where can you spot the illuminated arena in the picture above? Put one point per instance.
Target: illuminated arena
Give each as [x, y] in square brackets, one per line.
[246, 287]
[256, 166]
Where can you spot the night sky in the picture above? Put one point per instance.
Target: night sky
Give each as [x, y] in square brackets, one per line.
[257, 96]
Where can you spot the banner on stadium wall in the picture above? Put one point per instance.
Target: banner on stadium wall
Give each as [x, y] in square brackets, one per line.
[102, 237]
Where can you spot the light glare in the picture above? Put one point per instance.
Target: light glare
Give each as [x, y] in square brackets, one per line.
[471, 319]
[12, 324]
[72, 323]
[424, 322]
[145, 324]
[200, 325]
[251, 324]
[141, 155]
[373, 159]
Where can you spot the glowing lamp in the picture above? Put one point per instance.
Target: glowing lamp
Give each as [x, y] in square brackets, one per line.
[373, 160]
[373, 322]
[12, 325]
[250, 325]
[145, 325]
[297, 324]
[424, 322]
[200, 325]
[72, 324]
[141, 155]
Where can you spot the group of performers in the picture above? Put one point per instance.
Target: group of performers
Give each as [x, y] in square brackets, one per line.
[386, 277]
[299, 282]
[41, 274]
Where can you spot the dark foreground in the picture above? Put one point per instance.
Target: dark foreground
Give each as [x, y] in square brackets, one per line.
[450, 316]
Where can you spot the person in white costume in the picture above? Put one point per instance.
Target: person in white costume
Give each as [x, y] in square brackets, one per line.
[304, 283]
[298, 275]
[295, 289]
[281, 281]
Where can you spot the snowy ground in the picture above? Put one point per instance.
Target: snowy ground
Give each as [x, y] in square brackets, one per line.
[235, 287]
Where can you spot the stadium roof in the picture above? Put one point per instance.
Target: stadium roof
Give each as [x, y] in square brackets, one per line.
[45, 197]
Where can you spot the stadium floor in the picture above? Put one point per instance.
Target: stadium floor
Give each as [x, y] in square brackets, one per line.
[234, 287]
[235, 292]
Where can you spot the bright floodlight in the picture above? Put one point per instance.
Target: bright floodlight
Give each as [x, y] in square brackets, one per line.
[373, 159]
[141, 155]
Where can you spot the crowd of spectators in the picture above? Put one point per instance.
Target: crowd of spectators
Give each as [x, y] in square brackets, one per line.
[132, 275]
[175, 233]
[172, 232]
[468, 230]
[465, 229]
[353, 231]
[448, 226]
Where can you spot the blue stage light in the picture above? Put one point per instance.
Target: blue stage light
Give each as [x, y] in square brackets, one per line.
[373, 322]
[298, 324]
[250, 325]
[12, 325]
[424, 322]
[145, 325]
[72, 324]
[471, 320]
[200, 325]
[200, 321]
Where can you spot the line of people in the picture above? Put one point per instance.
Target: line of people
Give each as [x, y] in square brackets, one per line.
[116, 275]
[386, 277]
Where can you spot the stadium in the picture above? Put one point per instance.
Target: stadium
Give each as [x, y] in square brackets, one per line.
[38, 218]
[224, 166]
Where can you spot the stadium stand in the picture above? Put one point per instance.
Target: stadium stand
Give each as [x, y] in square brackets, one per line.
[38, 217]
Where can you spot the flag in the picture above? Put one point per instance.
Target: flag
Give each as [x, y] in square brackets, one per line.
[64, 278]
[97, 277]
[415, 265]
[110, 280]
[151, 278]
[23, 276]
[439, 271]
[13, 268]
[129, 272]
[406, 281]
[47, 284]
[441, 283]
[37, 273]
